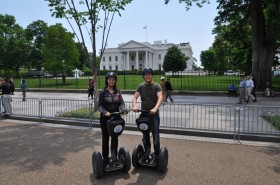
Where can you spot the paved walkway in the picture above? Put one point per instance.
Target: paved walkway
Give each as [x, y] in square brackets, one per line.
[55, 154]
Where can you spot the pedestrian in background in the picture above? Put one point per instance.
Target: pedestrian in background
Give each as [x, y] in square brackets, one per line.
[249, 88]
[90, 89]
[242, 87]
[23, 88]
[11, 81]
[168, 89]
[162, 85]
[255, 86]
[6, 96]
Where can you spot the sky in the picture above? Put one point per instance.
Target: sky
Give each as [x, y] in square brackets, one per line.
[163, 22]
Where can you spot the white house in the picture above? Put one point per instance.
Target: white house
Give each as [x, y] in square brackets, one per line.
[138, 55]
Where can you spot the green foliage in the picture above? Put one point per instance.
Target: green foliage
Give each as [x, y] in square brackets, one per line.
[84, 113]
[60, 52]
[274, 120]
[174, 60]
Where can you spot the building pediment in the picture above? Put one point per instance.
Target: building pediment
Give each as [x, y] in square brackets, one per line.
[134, 45]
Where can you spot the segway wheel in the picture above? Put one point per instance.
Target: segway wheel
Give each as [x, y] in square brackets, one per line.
[97, 165]
[163, 160]
[124, 157]
[137, 154]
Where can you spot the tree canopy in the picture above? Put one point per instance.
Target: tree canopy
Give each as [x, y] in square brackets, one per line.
[174, 60]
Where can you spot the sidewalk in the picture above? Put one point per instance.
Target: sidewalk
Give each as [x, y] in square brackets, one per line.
[50, 154]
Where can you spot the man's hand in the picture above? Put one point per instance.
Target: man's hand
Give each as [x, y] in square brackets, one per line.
[153, 111]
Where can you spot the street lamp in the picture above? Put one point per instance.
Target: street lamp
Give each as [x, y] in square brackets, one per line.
[124, 64]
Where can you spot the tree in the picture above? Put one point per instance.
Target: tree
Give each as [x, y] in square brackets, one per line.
[264, 19]
[174, 60]
[91, 13]
[208, 60]
[36, 32]
[60, 52]
[14, 47]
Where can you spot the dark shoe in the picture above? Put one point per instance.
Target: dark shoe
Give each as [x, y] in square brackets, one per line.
[254, 101]
[156, 158]
[105, 162]
[247, 101]
[239, 102]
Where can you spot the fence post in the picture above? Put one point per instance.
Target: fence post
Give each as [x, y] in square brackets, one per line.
[40, 111]
[90, 114]
[237, 124]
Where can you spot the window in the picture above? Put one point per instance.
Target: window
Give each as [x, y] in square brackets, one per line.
[116, 58]
[110, 67]
[104, 68]
[110, 58]
[132, 57]
[159, 67]
[132, 67]
[159, 56]
[140, 57]
[117, 68]
[103, 59]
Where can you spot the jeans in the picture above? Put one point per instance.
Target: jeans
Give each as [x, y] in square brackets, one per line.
[105, 141]
[155, 132]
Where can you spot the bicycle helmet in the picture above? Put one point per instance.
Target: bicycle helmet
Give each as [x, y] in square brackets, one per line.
[147, 70]
[110, 75]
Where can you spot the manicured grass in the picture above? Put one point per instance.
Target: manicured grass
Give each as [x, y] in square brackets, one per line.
[130, 82]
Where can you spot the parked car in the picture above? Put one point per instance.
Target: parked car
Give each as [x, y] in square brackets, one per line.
[230, 73]
[276, 73]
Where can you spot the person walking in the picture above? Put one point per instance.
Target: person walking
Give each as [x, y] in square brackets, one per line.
[249, 88]
[242, 87]
[162, 85]
[23, 88]
[6, 96]
[255, 86]
[11, 81]
[110, 100]
[168, 89]
[151, 99]
[90, 89]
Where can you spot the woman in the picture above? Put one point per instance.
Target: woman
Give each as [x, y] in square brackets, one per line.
[110, 100]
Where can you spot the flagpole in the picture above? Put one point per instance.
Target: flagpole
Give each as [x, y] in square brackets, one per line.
[145, 27]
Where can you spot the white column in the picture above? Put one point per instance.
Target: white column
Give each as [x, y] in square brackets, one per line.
[128, 59]
[124, 61]
[137, 62]
[146, 59]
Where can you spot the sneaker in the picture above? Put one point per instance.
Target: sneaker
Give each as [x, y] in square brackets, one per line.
[239, 102]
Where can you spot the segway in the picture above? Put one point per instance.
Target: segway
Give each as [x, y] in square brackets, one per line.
[141, 158]
[121, 162]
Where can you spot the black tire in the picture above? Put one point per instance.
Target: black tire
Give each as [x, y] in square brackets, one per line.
[137, 154]
[124, 157]
[163, 160]
[97, 165]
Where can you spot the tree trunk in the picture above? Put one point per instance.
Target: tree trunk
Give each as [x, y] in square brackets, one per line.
[263, 45]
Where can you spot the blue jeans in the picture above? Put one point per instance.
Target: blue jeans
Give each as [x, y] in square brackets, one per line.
[155, 132]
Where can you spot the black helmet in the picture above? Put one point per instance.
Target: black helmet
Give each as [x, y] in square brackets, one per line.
[147, 70]
[110, 75]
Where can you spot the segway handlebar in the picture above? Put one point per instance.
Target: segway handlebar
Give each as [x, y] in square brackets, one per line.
[143, 111]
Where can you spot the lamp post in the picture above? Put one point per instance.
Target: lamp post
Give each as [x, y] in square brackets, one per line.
[124, 64]
[63, 74]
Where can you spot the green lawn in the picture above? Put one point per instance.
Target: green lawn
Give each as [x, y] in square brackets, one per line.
[130, 82]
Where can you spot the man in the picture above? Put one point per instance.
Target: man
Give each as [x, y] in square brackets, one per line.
[249, 88]
[255, 86]
[242, 87]
[232, 90]
[168, 88]
[6, 96]
[151, 99]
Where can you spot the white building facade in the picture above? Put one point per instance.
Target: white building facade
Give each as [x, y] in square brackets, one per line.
[138, 55]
